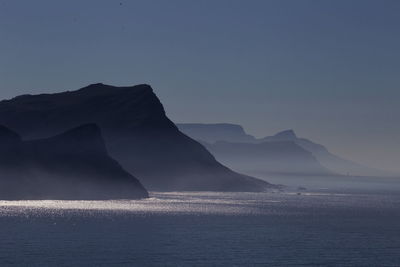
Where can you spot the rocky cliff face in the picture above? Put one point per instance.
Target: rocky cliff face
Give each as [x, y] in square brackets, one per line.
[137, 133]
[72, 165]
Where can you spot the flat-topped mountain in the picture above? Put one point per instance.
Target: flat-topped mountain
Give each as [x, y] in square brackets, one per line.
[284, 157]
[211, 133]
[137, 133]
[72, 165]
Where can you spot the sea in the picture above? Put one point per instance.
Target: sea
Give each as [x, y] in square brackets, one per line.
[289, 227]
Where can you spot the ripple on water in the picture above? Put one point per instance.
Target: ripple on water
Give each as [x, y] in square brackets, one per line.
[204, 229]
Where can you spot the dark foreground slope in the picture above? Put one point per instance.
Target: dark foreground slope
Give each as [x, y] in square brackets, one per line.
[137, 133]
[73, 165]
[286, 158]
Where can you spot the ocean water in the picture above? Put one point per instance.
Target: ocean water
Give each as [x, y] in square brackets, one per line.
[205, 229]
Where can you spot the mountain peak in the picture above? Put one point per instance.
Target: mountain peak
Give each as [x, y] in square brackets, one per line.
[87, 137]
[102, 85]
[63, 167]
[7, 135]
[96, 85]
[287, 134]
[214, 132]
[89, 130]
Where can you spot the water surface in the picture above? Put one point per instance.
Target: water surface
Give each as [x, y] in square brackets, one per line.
[205, 229]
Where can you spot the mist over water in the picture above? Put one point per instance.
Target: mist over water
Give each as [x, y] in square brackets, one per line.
[203, 229]
[335, 183]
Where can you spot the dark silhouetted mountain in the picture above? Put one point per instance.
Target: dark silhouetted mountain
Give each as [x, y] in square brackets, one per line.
[72, 165]
[8, 137]
[285, 157]
[211, 133]
[137, 133]
[327, 159]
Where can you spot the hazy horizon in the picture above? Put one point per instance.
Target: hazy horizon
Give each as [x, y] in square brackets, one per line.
[328, 70]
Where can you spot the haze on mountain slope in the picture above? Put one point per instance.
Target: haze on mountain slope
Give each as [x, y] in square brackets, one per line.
[137, 132]
[332, 164]
[73, 165]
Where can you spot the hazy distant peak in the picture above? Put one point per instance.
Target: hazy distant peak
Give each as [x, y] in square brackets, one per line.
[287, 134]
[213, 132]
[225, 126]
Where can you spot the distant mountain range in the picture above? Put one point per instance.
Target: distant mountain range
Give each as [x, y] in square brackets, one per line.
[137, 134]
[326, 158]
[315, 158]
[286, 158]
[72, 165]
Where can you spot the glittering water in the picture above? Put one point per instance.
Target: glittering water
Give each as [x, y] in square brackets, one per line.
[205, 229]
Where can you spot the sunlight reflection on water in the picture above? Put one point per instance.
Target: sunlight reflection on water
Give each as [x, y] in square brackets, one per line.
[204, 229]
[200, 203]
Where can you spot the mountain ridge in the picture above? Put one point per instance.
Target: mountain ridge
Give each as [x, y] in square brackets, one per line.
[281, 157]
[71, 165]
[137, 133]
[327, 159]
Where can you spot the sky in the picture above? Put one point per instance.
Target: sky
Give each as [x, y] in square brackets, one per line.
[327, 69]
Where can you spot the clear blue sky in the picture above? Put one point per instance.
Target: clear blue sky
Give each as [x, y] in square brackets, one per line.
[328, 69]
